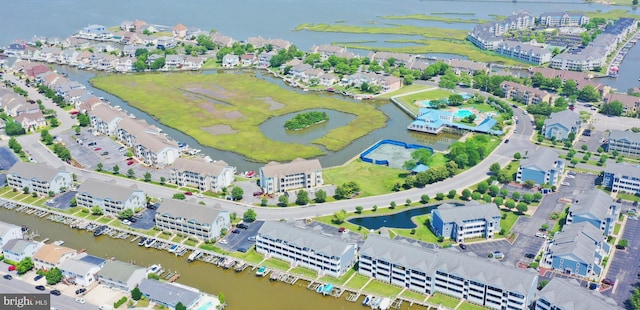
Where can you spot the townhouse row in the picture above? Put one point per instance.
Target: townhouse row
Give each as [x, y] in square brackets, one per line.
[22, 111]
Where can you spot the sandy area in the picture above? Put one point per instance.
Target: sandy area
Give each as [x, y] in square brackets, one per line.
[273, 105]
[220, 130]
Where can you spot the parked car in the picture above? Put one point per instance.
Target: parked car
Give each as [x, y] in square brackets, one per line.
[7, 276]
[105, 153]
[608, 281]
[132, 219]
[92, 143]
[498, 255]
[242, 226]
[188, 193]
[463, 246]
[341, 229]
[223, 241]
[530, 255]
[38, 277]
[126, 222]
[56, 292]
[235, 231]
[131, 162]
[242, 250]
[11, 268]
[40, 287]
[80, 291]
[80, 300]
[98, 149]
[541, 235]
[257, 194]
[252, 238]
[506, 141]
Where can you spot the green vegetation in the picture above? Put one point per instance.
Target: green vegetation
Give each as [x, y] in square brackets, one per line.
[405, 90]
[357, 281]
[304, 271]
[383, 289]
[224, 112]
[507, 222]
[613, 14]
[304, 120]
[338, 281]
[437, 18]
[275, 263]
[447, 301]
[372, 179]
[469, 306]
[428, 32]
[413, 295]
[425, 95]
[627, 196]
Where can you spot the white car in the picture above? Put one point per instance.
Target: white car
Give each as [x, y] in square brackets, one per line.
[223, 241]
[541, 235]
[80, 300]
[199, 195]
[126, 222]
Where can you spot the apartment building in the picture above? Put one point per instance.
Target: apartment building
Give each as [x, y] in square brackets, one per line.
[104, 119]
[563, 19]
[201, 174]
[459, 223]
[525, 52]
[38, 178]
[621, 177]
[148, 142]
[568, 294]
[596, 208]
[191, 219]
[543, 166]
[524, 94]
[109, 197]
[560, 124]
[579, 249]
[626, 143]
[428, 271]
[306, 247]
[298, 174]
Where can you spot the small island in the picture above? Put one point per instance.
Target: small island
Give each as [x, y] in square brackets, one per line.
[304, 120]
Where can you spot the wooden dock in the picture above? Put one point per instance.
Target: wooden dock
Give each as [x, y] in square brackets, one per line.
[353, 296]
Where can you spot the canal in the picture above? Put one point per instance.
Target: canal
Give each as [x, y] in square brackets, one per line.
[242, 290]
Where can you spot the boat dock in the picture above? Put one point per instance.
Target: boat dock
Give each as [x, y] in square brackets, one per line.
[241, 266]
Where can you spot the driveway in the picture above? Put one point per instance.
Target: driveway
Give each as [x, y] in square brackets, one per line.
[145, 219]
[62, 202]
[624, 266]
[241, 239]
[7, 158]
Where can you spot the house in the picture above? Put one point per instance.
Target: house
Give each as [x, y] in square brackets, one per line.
[120, 275]
[482, 37]
[626, 143]
[544, 166]
[125, 64]
[51, 255]
[579, 250]
[201, 174]
[307, 248]
[104, 119]
[230, 60]
[619, 177]
[525, 52]
[193, 63]
[179, 31]
[169, 294]
[390, 83]
[466, 222]
[31, 121]
[257, 42]
[631, 104]
[524, 94]
[563, 19]
[16, 250]
[299, 173]
[428, 271]
[312, 75]
[264, 59]
[193, 220]
[156, 150]
[174, 61]
[109, 197]
[399, 58]
[9, 232]
[165, 43]
[298, 71]
[568, 294]
[462, 66]
[37, 70]
[127, 25]
[79, 272]
[560, 124]
[221, 40]
[247, 60]
[279, 44]
[327, 50]
[595, 207]
[328, 79]
[93, 32]
[39, 178]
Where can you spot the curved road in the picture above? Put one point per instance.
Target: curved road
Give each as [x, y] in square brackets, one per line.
[503, 154]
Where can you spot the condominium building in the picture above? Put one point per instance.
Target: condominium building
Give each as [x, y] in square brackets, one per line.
[194, 220]
[104, 119]
[524, 94]
[626, 143]
[428, 271]
[530, 53]
[148, 142]
[38, 178]
[560, 124]
[298, 174]
[568, 294]
[201, 174]
[563, 19]
[542, 167]
[621, 177]
[465, 222]
[595, 207]
[579, 249]
[109, 197]
[308, 248]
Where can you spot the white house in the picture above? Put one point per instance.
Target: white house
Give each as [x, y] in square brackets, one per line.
[109, 197]
[121, 275]
[38, 178]
[9, 232]
[51, 255]
[18, 249]
[79, 272]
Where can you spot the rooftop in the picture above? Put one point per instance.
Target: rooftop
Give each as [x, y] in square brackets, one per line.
[304, 238]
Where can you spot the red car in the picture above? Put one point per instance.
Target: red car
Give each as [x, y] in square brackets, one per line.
[608, 281]
[97, 149]
[11, 268]
[131, 162]
[188, 193]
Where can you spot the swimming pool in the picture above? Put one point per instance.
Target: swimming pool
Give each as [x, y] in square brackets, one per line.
[462, 113]
[207, 306]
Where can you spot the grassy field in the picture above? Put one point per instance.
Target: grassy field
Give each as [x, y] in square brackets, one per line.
[428, 32]
[275, 263]
[470, 306]
[613, 14]
[413, 295]
[426, 95]
[373, 179]
[383, 289]
[357, 282]
[447, 301]
[509, 221]
[424, 17]
[404, 90]
[224, 110]
[304, 271]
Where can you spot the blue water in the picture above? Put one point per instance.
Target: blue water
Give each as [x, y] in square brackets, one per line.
[207, 306]
[399, 220]
[462, 113]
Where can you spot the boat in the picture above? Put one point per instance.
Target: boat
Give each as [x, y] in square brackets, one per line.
[320, 289]
[385, 304]
[149, 242]
[142, 241]
[328, 288]
[173, 248]
[375, 302]
[100, 230]
[194, 255]
[155, 269]
[59, 242]
[367, 300]
[262, 271]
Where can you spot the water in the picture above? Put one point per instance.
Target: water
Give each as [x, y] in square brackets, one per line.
[463, 113]
[274, 128]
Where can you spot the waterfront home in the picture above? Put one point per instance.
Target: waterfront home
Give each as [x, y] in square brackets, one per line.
[482, 37]
[626, 143]
[9, 232]
[312, 75]
[560, 124]
[64, 85]
[191, 219]
[631, 104]
[328, 79]
[356, 79]
[179, 31]
[390, 83]
[460, 223]
[568, 294]
[36, 70]
[165, 42]
[193, 33]
[111, 198]
[193, 63]
[298, 71]
[247, 60]
[279, 44]
[462, 66]
[79, 272]
[31, 121]
[122, 276]
[125, 64]
[298, 174]
[400, 58]
[428, 271]
[578, 250]
[221, 40]
[169, 294]
[38, 178]
[16, 250]
[230, 60]
[104, 119]
[108, 62]
[595, 207]
[128, 26]
[563, 19]
[51, 255]
[48, 78]
[129, 128]
[156, 150]
[201, 174]
[264, 59]
[173, 61]
[305, 247]
[257, 42]
[93, 32]
[524, 52]
[16, 50]
[327, 50]
[544, 166]
[524, 94]
[68, 57]
[622, 177]
[88, 103]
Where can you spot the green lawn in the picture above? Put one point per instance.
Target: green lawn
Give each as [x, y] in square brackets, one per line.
[278, 264]
[252, 256]
[442, 33]
[224, 111]
[382, 289]
[469, 306]
[508, 222]
[561, 221]
[29, 199]
[373, 179]
[357, 282]
[92, 217]
[413, 295]
[447, 301]
[448, 20]
[627, 196]
[616, 229]
[190, 242]
[404, 90]
[105, 220]
[304, 271]
[165, 236]
[4, 190]
[338, 281]
[426, 95]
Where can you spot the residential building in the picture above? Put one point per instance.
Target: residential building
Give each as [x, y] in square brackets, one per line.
[306, 247]
[482, 37]
[173, 62]
[459, 223]
[166, 42]
[51, 255]
[221, 40]
[298, 71]
[560, 124]
[524, 94]
[327, 50]
[109, 197]
[9, 232]
[400, 58]
[180, 31]
[79, 272]
[631, 104]
[104, 119]
[595, 207]
[563, 19]
[429, 271]
[148, 142]
[31, 121]
[191, 219]
[390, 83]
[578, 250]
[247, 60]
[328, 79]
[121, 275]
[568, 294]
[38, 178]
[626, 143]
[264, 59]
[435, 121]
[299, 173]
[543, 166]
[169, 294]
[201, 174]
[525, 52]
[620, 177]
[230, 60]
[16, 250]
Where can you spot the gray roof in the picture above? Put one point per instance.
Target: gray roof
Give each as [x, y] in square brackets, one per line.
[17, 245]
[168, 293]
[76, 266]
[5, 227]
[304, 238]
[431, 260]
[566, 118]
[542, 159]
[200, 166]
[625, 135]
[452, 214]
[103, 190]
[568, 295]
[577, 241]
[118, 271]
[29, 171]
[92, 260]
[190, 211]
[594, 204]
[298, 165]
[106, 113]
[623, 169]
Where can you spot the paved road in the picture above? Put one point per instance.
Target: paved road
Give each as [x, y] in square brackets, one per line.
[625, 267]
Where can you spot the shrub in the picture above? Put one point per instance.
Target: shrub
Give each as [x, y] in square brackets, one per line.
[120, 302]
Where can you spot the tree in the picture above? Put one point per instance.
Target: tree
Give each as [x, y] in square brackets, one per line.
[483, 187]
[116, 169]
[53, 276]
[510, 204]
[407, 202]
[125, 214]
[527, 198]
[302, 197]
[24, 265]
[589, 94]
[614, 108]
[574, 161]
[162, 180]
[237, 192]
[544, 227]
[495, 168]
[515, 195]
[339, 217]
[249, 215]
[221, 298]
[498, 201]
[359, 209]
[320, 196]
[147, 176]
[131, 173]
[180, 306]
[96, 210]
[494, 190]
[83, 120]
[392, 205]
[452, 194]
[634, 300]
[136, 294]
[466, 194]
[99, 166]
[283, 200]
[439, 196]
[504, 192]
[623, 243]
[537, 196]
[522, 207]
[264, 202]
[517, 156]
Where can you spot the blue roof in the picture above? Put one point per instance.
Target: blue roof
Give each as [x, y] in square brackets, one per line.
[439, 118]
[93, 260]
[420, 168]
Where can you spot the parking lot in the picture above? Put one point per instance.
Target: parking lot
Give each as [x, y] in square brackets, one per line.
[61, 202]
[593, 141]
[235, 241]
[624, 267]
[7, 158]
[144, 219]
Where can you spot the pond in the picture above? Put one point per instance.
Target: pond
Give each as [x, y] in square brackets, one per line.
[400, 220]
[274, 129]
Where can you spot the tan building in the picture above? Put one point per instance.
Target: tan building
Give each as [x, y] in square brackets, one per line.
[201, 174]
[51, 255]
[300, 173]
